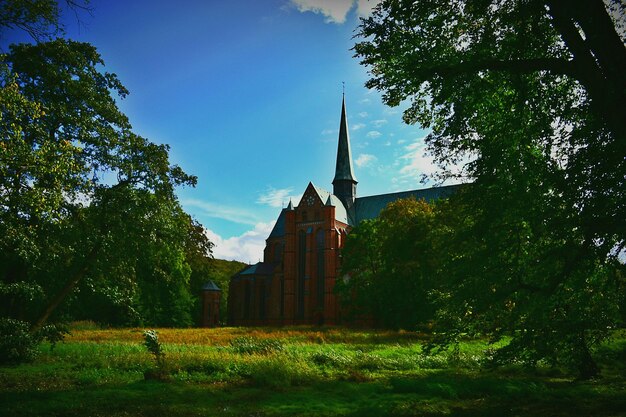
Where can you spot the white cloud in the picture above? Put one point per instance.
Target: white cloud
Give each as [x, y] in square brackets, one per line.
[417, 163]
[335, 11]
[233, 214]
[365, 101]
[364, 160]
[365, 7]
[247, 247]
[358, 126]
[379, 122]
[327, 132]
[363, 114]
[278, 197]
[374, 134]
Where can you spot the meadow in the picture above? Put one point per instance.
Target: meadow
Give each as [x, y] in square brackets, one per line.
[296, 372]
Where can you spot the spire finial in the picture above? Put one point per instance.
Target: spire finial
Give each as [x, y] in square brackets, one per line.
[343, 88]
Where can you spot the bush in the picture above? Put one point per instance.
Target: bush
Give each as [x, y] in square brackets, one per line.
[18, 344]
[151, 342]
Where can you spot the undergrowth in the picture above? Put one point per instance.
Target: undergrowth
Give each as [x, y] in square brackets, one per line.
[287, 361]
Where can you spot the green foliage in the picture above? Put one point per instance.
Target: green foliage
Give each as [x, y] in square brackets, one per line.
[512, 93]
[89, 216]
[19, 344]
[330, 358]
[96, 372]
[151, 342]
[391, 263]
[249, 345]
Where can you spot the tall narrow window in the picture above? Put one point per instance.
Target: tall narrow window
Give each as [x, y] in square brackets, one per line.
[319, 242]
[301, 272]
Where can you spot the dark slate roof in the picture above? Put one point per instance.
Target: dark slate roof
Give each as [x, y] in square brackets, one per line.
[370, 207]
[210, 286]
[279, 227]
[259, 268]
[343, 170]
[340, 210]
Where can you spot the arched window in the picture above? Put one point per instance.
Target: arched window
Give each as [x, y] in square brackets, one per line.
[321, 273]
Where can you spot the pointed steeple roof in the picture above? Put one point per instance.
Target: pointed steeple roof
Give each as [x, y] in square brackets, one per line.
[343, 170]
[290, 206]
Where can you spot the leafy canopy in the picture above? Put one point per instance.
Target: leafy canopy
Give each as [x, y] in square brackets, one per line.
[527, 96]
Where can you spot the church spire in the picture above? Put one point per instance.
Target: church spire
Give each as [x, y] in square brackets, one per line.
[344, 183]
[343, 170]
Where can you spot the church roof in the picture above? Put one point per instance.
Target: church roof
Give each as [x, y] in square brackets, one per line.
[340, 211]
[210, 286]
[343, 170]
[259, 268]
[370, 207]
[279, 226]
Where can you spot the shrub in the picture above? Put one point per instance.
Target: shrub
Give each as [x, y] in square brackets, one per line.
[18, 344]
[151, 342]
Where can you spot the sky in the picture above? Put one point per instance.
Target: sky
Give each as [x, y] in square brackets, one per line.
[248, 93]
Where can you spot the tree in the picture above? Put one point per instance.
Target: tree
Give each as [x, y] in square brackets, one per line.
[391, 262]
[531, 93]
[80, 193]
[38, 18]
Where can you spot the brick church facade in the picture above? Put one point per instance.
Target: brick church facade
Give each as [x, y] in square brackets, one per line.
[301, 262]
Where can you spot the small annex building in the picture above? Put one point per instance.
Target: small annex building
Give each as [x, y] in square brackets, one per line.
[294, 283]
[211, 296]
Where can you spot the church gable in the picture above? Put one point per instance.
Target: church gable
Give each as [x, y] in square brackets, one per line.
[315, 198]
[311, 198]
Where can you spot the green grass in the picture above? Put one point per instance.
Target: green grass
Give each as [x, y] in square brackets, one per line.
[296, 372]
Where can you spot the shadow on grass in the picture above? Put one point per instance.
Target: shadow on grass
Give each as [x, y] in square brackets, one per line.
[440, 394]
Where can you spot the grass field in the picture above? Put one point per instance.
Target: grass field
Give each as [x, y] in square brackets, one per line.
[296, 372]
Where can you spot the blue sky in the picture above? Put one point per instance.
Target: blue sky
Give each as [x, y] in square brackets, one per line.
[248, 95]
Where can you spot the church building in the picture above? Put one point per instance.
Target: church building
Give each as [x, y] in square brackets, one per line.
[302, 257]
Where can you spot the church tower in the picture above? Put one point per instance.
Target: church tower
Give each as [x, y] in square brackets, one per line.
[344, 183]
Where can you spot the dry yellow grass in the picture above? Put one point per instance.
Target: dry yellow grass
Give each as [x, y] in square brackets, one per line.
[222, 336]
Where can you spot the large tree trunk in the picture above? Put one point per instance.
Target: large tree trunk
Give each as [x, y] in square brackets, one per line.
[599, 56]
[67, 289]
[586, 366]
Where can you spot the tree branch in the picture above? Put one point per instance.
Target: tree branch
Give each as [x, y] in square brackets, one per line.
[555, 65]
